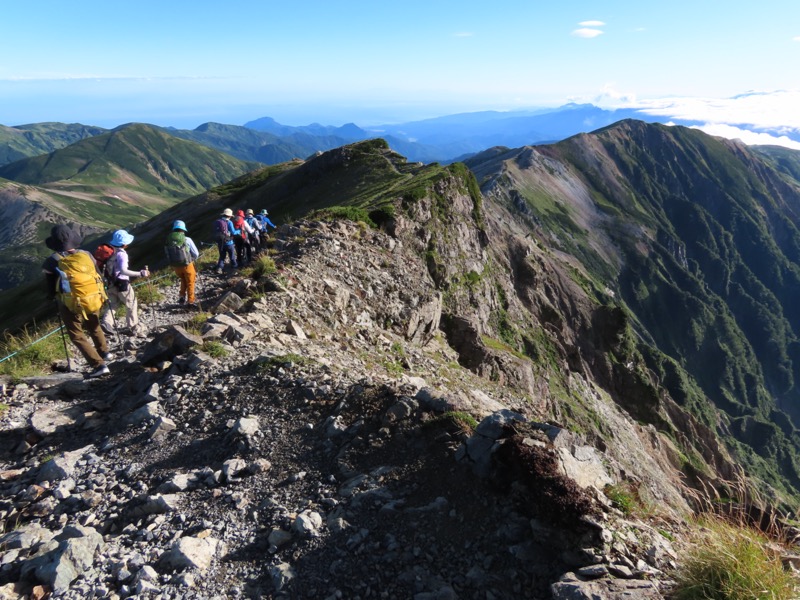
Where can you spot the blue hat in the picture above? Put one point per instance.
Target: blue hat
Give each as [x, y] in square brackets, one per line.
[179, 225]
[121, 238]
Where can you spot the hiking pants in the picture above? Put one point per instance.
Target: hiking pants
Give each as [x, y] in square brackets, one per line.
[187, 274]
[75, 325]
[241, 249]
[226, 250]
[128, 299]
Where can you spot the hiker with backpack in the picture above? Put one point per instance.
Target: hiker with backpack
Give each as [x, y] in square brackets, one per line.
[223, 233]
[265, 225]
[255, 238]
[181, 253]
[73, 281]
[120, 290]
[242, 232]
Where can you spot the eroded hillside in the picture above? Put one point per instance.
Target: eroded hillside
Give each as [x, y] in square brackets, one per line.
[697, 239]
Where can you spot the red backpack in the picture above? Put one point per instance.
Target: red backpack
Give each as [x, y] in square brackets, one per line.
[238, 224]
[102, 254]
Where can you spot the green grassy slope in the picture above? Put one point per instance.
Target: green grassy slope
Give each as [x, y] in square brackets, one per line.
[136, 156]
[109, 181]
[699, 237]
[24, 141]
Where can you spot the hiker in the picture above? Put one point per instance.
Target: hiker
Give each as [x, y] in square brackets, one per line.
[73, 281]
[181, 253]
[223, 231]
[120, 290]
[242, 232]
[255, 225]
[265, 225]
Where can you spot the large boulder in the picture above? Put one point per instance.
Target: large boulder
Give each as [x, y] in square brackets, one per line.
[169, 344]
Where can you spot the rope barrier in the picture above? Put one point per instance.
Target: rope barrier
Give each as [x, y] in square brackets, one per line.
[58, 329]
[47, 335]
[153, 279]
[33, 343]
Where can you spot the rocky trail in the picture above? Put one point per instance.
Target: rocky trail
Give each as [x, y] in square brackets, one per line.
[329, 453]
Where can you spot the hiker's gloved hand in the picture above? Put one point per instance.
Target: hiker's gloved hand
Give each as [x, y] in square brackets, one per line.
[144, 273]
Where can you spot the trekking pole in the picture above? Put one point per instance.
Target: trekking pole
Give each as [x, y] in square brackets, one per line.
[205, 290]
[152, 297]
[114, 320]
[64, 339]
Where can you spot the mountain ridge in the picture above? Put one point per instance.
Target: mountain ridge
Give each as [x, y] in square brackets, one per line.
[594, 287]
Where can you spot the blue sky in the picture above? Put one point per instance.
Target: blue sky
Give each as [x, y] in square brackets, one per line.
[182, 63]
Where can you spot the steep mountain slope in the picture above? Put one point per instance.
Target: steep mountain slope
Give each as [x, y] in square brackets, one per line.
[699, 238]
[349, 364]
[334, 462]
[104, 182]
[347, 369]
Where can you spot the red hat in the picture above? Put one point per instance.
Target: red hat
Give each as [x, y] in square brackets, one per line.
[239, 213]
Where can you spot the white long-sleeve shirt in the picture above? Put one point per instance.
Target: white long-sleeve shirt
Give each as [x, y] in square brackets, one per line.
[121, 270]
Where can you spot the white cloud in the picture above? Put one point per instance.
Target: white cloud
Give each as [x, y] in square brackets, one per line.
[748, 137]
[613, 98]
[759, 109]
[586, 32]
[591, 23]
[796, 38]
[732, 118]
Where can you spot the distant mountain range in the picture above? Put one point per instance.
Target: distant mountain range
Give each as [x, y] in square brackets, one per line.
[443, 139]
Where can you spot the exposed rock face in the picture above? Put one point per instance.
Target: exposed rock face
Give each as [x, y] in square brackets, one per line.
[330, 453]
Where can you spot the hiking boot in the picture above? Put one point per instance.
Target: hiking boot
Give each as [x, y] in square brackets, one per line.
[219, 270]
[98, 372]
[181, 301]
[192, 306]
[107, 357]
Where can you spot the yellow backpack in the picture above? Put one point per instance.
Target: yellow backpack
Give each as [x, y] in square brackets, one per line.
[81, 287]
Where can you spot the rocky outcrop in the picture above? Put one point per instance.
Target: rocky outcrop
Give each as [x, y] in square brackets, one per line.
[352, 425]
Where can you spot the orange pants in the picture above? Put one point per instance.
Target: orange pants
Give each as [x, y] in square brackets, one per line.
[187, 275]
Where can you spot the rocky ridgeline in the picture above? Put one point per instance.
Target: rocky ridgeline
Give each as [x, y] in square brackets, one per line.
[327, 454]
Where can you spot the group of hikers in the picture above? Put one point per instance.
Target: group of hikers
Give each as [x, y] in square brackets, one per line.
[89, 287]
[241, 236]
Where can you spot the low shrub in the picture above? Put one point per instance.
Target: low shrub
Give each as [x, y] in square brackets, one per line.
[726, 561]
[621, 498]
[263, 266]
[214, 349]
[147, 293]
